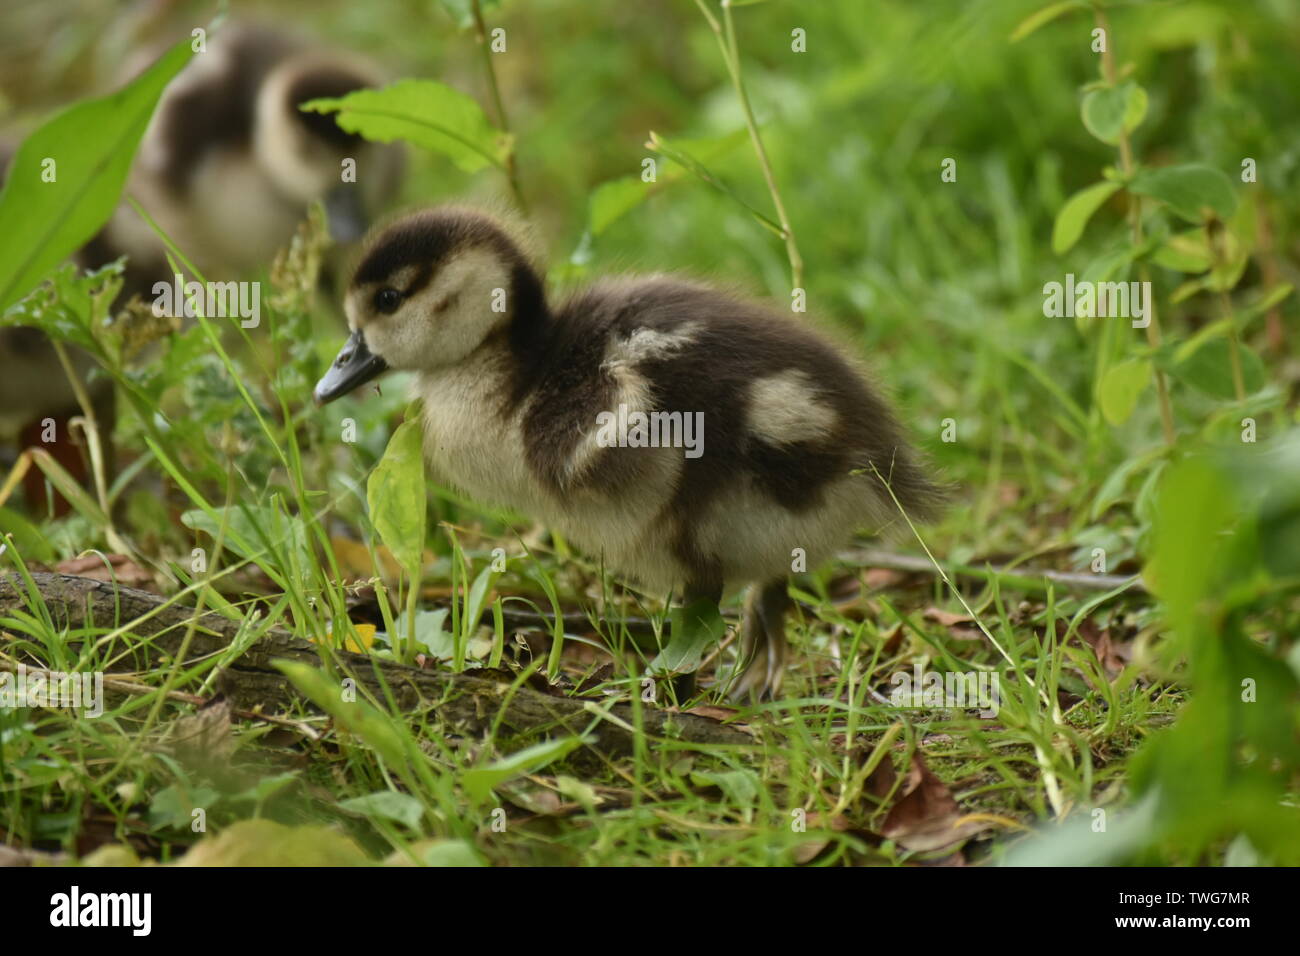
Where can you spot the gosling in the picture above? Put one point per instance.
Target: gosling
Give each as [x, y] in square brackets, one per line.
[229, 163]
[227, 168]
[794, 454]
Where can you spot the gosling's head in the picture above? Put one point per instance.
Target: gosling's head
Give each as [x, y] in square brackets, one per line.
[302, 153]
[430, 290]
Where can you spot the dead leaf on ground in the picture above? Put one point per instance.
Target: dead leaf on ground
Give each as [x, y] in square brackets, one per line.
[882, 579]
[109, 568]
[960, 626]
[204, 738]
[812, 848]
[1113, 655]
[926, 816]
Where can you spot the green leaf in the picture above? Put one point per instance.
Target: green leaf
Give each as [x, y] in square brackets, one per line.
[480, 781]
[1266, 302]
[426, 113]
[256, 532]
[1209, 369]
[741, 787]
[358, 717]
[395, 495]
[388, 805]
[1185, 252]
[439, 853]
[267, 843]
[1110, 112]
[1225, 276]
[1188, 190]
[1212, 331]
[26, 538]
[1040, 18]
[695, 629]
[1121, 387]
[475, 601]
[92, 144]
[437, 641]
[1074, 215]
[611, 200]
[680, 153]
[462, 11]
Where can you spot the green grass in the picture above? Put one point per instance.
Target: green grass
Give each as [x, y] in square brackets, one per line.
[1128, 700]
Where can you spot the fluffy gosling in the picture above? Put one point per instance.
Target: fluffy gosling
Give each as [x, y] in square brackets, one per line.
[523, 401]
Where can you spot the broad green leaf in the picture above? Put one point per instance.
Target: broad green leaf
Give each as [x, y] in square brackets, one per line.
[480, 781]
[741, 787]
[267, 843]
[395, 495]
[257, 532]
[1110, 112]
[91, 144]
[1102, 269]
[1185, 252]
[437, 641]
[695, 629]
[1074, 215]
[1212, 331]
[388, 805]
[446, 853]
[25, 538]
[1046, 15]
[1209, 369]
[611, 200]
[1188, 190]
[1120, 388]
[426, 113]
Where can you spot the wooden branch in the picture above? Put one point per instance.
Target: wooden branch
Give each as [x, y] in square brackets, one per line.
[1022, 577]
[464, 703]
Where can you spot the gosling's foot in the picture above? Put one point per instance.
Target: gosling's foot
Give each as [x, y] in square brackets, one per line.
[763, 647]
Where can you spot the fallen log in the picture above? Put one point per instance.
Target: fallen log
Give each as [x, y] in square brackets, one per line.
[467, 703]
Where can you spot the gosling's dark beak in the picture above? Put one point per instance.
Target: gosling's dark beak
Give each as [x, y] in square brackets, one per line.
[347, 218]
[353, 367]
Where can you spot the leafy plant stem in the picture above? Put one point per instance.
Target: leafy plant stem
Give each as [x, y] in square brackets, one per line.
[93, 444]
[726, 36]
[481, 36]
[1135, 218]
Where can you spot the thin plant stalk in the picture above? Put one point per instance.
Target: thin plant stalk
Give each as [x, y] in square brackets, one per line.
[481, 36]
[1135, 220]
[725, 32]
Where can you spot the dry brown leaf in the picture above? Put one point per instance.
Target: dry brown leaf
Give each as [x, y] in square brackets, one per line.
[926, 816]
[204, 738]
[960, 626]
[109, 568]
[713, 712]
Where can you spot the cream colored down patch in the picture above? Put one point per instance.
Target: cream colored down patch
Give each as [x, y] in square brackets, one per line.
[631, 388]
[784, 408]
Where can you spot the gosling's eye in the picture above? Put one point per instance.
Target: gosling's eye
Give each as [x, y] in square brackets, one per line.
[387, 300]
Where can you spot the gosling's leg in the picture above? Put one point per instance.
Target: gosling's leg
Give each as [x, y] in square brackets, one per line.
[763, 647]
[685, 685]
